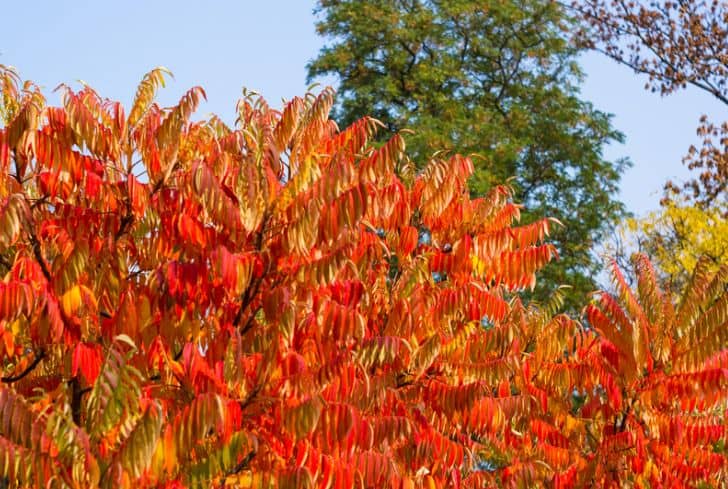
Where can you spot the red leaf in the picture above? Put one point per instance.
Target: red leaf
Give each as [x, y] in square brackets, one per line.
[87, 360]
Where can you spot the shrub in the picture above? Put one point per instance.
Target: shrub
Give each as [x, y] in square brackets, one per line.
[284, 304]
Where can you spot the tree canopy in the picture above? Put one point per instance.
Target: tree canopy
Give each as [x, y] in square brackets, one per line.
[283, 304]
[497, 79]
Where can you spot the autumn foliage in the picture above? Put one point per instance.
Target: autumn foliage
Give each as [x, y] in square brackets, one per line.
[286, 304]
[676, 43]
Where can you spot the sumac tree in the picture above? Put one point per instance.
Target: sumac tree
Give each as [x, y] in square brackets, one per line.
[286, 304]
[657, 417]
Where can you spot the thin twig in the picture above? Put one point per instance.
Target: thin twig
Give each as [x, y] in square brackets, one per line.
[251, 396]
[243, 464]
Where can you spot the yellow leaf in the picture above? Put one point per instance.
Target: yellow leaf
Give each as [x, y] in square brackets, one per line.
[71, 300]
[571, 424]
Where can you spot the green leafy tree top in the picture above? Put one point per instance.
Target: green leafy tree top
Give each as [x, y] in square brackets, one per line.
[493, 78]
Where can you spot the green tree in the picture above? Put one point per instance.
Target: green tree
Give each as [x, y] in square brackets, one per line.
[495, 78]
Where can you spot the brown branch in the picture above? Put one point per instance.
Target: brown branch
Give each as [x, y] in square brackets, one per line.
[126, 221]
[591, 436]
[243, 464]
[4, 262]
[14, 378]
[404, 379]
[252, 289]
[626, 415]
[37, 253]
[251, 396]
[249, 323]
[77, 393]
[35, 244]
[128, 217]
[250, 292]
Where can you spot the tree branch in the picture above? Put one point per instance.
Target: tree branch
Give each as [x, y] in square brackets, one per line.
[251, 396]
[35, 244]
[243, 464]
[252, 289]
[14, 378]
[4, 262]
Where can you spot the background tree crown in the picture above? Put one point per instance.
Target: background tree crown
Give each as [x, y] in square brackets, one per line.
[497, 79]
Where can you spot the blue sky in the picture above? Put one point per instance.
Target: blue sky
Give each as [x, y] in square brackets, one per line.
[264, 46]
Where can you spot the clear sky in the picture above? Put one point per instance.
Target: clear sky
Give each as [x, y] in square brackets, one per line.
[265, 45]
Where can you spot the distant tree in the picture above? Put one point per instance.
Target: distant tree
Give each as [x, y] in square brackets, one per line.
[495, 78]
[709, 189]
[676, 44]
[676, 236]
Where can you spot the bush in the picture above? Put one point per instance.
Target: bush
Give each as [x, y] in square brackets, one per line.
[284, 304]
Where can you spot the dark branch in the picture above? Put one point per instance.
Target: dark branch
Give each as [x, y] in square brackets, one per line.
[125, 223]
[14, 378]
[39, 257]
[4, 262]
[244, 463]
[252, 289]
[250, 397]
